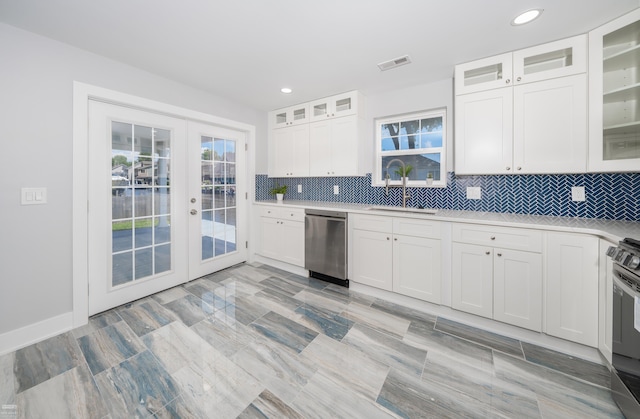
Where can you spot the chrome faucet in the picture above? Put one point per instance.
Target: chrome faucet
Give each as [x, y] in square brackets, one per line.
[404, 182]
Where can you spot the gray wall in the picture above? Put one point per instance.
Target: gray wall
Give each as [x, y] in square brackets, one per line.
[36, 87]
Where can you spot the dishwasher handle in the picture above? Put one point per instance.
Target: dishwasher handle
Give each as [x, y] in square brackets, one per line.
[326, 214]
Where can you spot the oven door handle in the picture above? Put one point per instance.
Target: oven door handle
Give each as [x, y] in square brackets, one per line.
[623, 285]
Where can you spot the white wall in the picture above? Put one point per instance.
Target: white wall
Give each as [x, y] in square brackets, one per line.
[36, 87]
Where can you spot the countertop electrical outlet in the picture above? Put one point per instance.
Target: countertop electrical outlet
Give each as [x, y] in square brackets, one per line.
[577, 193]
[299, 188]
[336, 189]
[474, 192]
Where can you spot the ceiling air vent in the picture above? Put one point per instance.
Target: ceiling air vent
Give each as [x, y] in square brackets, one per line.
[396, 62]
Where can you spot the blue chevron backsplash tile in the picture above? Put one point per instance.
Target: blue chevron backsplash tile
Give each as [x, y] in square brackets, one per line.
[614, 196]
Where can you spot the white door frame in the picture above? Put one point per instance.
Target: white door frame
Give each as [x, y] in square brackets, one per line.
[81, 94]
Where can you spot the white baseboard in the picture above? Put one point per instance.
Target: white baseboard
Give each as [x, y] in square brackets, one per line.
[36, 332]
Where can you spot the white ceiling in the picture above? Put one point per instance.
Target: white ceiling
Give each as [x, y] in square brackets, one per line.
[246, 50]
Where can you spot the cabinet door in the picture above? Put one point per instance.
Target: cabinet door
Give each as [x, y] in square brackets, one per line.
[487, 73]
[550, 126]
[416, 267]
[484, 127]
[614, 119]
[293, 115]
[572, 288]
[517, 288]
[334, 106]
[605, 306]
[472, 279]
[561, 58]
[320, 148]
[289, 151]
[372, 259]
[344, 146]
[291, 240]
[269, 237]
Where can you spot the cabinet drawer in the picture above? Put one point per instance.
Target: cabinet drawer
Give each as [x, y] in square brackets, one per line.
[417, 228]
[504, 237]
[294, 214]
[371, 223]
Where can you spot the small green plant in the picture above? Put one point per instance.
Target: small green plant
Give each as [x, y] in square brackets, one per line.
[429, 175]
[404, 171]
[278, 189]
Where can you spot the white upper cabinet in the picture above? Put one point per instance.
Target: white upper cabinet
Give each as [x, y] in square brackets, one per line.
[320, 138]
[555, 59]
[484, 132]
[334, 106]
[487, 73]
[614, 85]
[289, 151]
[527, 116]
[542, 62]
[550, 126]
[286, 117]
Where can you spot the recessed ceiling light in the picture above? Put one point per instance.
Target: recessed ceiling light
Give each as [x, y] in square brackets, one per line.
[286, 90]
[526, 17]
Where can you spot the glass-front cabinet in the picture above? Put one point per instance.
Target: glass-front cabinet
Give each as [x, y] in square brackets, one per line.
[293, 115]
[334, 106]
[614, 70]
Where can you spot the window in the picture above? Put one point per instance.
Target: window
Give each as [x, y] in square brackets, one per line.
[418, 141]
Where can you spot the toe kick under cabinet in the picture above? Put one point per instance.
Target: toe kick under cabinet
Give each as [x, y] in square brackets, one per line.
[396, 254]
[497, 273]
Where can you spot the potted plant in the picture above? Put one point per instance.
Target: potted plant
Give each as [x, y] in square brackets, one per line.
[403, 171]
[429, 179]
[279, 191]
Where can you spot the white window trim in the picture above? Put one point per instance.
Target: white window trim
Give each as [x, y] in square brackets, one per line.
[376, 178]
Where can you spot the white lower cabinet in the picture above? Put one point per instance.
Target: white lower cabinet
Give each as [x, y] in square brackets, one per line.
[605, 303]
[408, 264]
[499, 283]
[282, 234]
[371, 258]
[572, 287]
[472, 279]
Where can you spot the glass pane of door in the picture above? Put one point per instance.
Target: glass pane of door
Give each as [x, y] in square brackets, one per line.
[140, 202]
[218, 196]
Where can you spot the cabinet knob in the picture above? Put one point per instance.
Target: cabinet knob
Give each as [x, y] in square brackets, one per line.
[519, 168]
[499, 254]
[508, 168]
[508, 81]
[487, 252]
[493, 237]
[387, 238]
[395, 239]
[519, 79]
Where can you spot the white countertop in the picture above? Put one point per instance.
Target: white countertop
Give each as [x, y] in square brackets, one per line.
[611, 230]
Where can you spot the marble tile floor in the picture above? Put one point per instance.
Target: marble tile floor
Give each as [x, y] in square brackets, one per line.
[253, 342]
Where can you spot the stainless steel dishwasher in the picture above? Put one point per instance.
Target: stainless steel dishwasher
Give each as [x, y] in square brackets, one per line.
[325, 252]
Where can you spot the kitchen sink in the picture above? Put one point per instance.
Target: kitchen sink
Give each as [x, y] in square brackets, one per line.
[427, 211]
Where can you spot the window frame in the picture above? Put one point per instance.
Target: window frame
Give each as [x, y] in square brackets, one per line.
[376, 178]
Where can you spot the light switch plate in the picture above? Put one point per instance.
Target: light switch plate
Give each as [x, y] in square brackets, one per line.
[474, 192]
[336, 189]
[33, 196]
[299, 188]
[577, 194]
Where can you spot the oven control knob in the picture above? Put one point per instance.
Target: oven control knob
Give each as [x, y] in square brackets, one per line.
[620, 256]
[611, 251]
[632, 262]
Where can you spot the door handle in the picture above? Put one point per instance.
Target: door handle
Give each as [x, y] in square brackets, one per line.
[193, 212]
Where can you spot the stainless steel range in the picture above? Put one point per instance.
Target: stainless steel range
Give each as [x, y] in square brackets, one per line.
[625, 374]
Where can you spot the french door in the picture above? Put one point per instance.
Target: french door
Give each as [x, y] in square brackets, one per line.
[163, 202]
